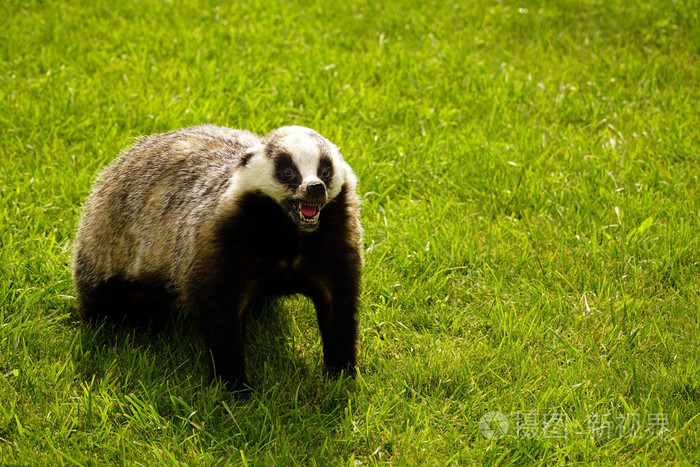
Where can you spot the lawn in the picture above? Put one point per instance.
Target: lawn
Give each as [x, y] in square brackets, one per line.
[531, 204]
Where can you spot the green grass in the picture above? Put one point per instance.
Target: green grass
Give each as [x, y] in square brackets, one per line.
[531, 206]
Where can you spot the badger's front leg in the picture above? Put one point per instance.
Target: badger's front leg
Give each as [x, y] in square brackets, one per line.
[220, 317]
[336, 311]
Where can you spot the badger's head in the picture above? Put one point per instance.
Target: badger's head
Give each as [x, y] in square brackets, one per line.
[300, 169]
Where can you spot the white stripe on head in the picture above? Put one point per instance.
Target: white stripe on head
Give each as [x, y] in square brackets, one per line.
[305, 153]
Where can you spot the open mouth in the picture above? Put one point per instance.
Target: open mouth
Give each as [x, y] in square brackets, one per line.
[306, 213]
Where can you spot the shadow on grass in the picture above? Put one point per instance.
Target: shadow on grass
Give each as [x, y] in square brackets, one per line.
[170, 358]
[129, 358]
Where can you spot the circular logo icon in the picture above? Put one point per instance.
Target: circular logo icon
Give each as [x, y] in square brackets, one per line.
[493, 425]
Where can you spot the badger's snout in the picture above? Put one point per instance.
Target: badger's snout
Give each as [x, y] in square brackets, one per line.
[315, 190]
[306, 207]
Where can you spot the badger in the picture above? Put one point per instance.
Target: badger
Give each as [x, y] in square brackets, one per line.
[215, 221]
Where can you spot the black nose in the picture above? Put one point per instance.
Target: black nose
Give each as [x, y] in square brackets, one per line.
[316, 190]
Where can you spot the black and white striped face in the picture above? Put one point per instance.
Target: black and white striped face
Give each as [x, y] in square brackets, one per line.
[301, 170]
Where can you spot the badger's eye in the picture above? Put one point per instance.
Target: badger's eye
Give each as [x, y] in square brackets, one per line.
[287, 173]
[325, 173]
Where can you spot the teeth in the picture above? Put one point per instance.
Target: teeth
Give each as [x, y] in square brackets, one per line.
[298, 206]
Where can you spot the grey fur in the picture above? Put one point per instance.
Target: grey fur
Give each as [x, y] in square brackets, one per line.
[147, 208]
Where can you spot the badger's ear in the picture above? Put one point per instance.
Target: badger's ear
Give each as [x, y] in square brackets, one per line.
[250, 153]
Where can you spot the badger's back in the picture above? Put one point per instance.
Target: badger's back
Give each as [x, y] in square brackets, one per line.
[148, 205]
